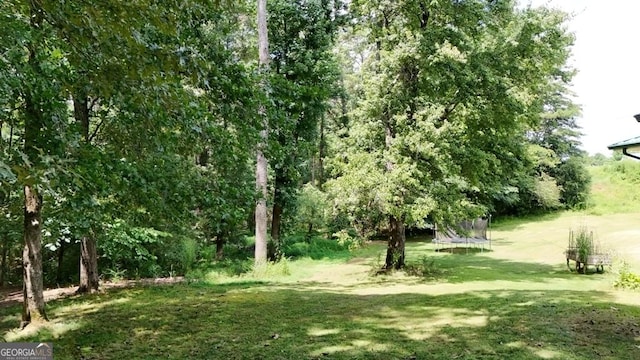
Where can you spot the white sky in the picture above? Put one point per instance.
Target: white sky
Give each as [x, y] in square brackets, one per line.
[607, 56]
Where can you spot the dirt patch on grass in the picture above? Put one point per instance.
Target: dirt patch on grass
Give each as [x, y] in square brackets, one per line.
[13, 296]
[596, 327]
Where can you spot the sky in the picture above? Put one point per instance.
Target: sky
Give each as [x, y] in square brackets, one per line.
[606, 55]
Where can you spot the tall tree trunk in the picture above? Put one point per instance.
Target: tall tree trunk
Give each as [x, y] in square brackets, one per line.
[3, 267]
[261, 161]
[321, 154]
[395, 245]
[33, 306]
[276, 217]
[88, 249]
[33, 309]
[220, 247]
[251, 220]
[60, 261]
[261, 210]
[89, 282]
[81, 113]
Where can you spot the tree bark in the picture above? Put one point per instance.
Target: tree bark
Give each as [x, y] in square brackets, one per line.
[321, 155]
[81, 113]
[261, 210]
[276, 217]
[3, 267]
[33, 310]
[395, 245]
[261, 161]
[60, 261]
[89, 282]
[219, 247]
[251, 220]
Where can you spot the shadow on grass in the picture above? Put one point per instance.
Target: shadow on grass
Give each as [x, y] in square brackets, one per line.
[463, 250]
[248, 322]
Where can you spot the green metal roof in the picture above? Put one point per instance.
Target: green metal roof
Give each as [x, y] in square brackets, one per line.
[626, 144]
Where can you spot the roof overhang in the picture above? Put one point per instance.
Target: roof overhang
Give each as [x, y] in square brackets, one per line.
[630, 147]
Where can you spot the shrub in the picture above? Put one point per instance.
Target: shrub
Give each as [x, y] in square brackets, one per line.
[348, 239]
[426, 268]
[316, 248]
[132, 248]
[627, 279]
[188, 253]
[547, 192]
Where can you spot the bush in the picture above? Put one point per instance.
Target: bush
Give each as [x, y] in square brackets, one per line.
[626, 279]
[547, 192]
[212, 271]
[296, 246]
[132, 248]
[426, 268]
[348, 239]
[188, 253]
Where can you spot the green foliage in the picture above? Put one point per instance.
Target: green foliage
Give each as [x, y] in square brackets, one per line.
[615, 188]
[316, 248]
[131, 249]
[312, 210]
[115, 274]
[271, 269]
[426, 267]
[426, 137]
[160, 85]
[547, 193]
[228, 267]
[617, 155]
[582, 242]
[417, 133]
[598, 159]
[574, 181]
[627, 279]
[348, 239]
[304, 77]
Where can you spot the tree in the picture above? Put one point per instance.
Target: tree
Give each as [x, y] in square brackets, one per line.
[261, 159]
[38, 110]
[88, 250]
[304, 76]
[428, 137]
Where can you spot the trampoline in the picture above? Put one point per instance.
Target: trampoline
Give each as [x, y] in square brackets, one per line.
[469, 233]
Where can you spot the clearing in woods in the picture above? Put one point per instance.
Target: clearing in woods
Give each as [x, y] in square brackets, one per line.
[517, 301]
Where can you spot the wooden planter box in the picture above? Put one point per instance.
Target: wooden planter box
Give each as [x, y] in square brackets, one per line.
[597, 260]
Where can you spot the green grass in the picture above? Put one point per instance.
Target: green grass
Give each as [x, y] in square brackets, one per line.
[248, 321]
[516, 301]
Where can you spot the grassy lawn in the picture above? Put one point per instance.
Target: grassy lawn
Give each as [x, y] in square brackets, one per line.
[517, 301]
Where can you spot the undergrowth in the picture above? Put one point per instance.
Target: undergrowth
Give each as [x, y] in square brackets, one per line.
[627, 279]
[426, 267]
